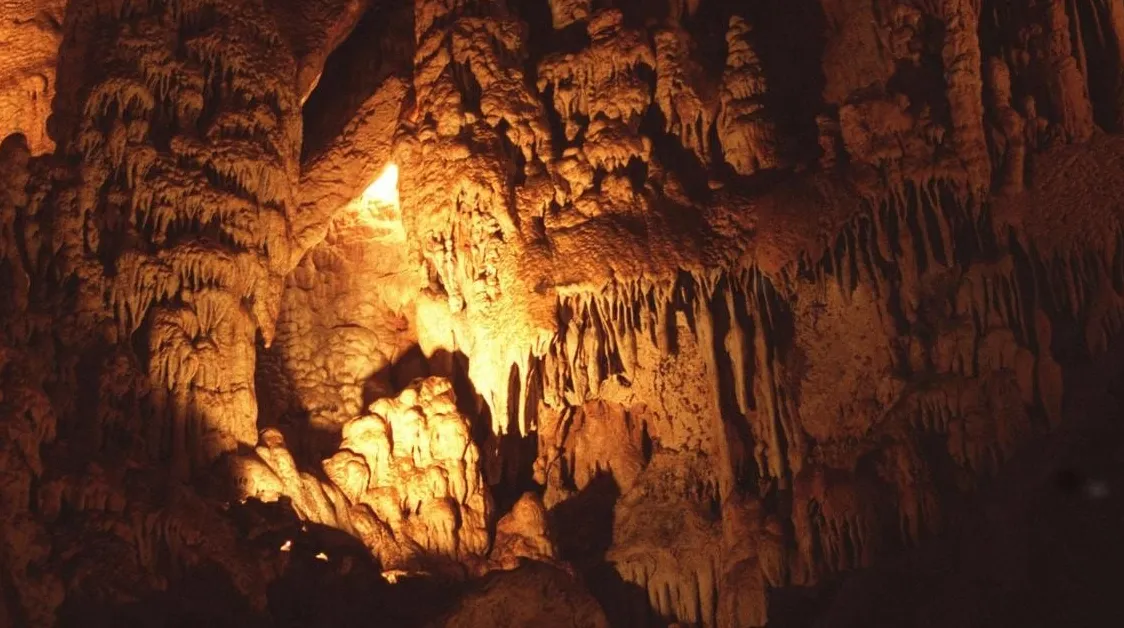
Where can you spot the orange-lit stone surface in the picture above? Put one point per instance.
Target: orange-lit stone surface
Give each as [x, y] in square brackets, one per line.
[30, 34]
[559, 312]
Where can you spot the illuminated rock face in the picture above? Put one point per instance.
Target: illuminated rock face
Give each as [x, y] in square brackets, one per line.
[406, 480]
[30, 32]
[735, 298]
[329, 302]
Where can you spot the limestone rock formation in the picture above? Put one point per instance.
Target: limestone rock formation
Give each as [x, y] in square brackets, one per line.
[314, 30]
[523, 535]
[30, 34]
[653, 313]
[406, 480]
[749, 138]
[326, 303]
[535, 595]
[600, 92]
[1010, 128]
[684, 97]
[563, 13]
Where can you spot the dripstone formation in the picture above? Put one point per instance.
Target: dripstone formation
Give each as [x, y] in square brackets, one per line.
[560, 312]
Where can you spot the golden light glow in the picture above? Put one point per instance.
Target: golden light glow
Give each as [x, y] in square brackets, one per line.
[287, 546]
[393, 575]
[384, 191]
[322, 556]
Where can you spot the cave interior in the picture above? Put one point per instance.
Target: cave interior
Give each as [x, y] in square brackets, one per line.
[561, 313]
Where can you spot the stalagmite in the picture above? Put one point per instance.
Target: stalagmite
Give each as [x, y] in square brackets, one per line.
[522, 535]
[410, 464]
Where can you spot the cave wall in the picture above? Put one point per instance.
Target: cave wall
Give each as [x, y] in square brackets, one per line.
[31, 32]
[790, 281]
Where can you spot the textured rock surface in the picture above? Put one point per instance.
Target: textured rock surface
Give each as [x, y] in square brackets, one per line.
[30, 34]
[534, 595]
[690, 306]
[406, 480]
[313, 31]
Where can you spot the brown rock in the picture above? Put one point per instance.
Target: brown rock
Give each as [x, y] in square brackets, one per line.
[30, 34]
[533, 595]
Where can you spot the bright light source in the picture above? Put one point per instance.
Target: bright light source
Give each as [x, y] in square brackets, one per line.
[393, 575]
[384, 191]
[322, 556]
[287, 546]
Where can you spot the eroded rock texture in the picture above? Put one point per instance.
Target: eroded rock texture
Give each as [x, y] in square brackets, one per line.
[653, 310]
[30, 34]
[406, 479]
[536, 595]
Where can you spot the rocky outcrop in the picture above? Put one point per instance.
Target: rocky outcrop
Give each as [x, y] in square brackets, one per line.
[535, 595]
[406, 480]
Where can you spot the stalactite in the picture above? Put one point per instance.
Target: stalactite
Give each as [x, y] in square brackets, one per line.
[601, 82]
[209, 212]
[749, 137]
[1009, 137]
[680, 583]
[688, 108]
[964, 75]
[1065, 84]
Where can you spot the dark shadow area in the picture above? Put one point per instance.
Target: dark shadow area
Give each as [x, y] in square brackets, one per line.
[584, 522]
[347, 588]
[791, 36]
[542, 38]
[1097, 50]
[670, 153]
[798, 607]
[203, 597]
[583, 528]
[326, 578]
[381, 45]
[1037, 545]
